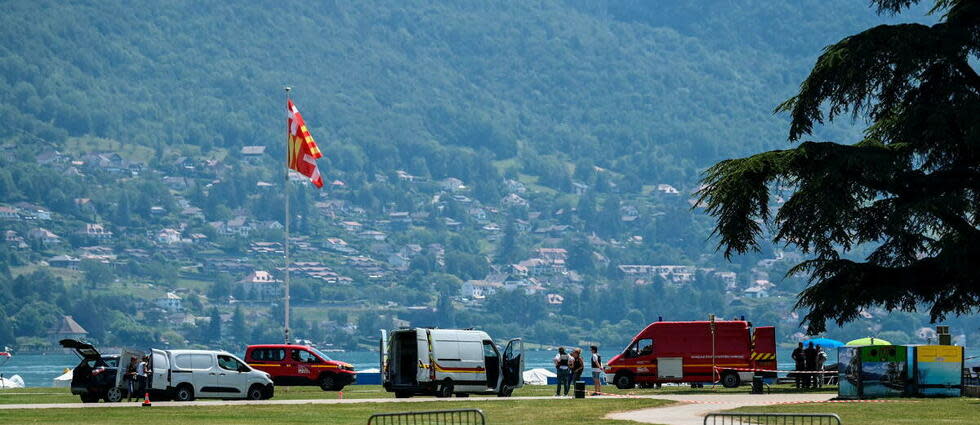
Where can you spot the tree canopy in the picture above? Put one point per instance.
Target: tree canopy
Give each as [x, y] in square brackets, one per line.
[910, 187]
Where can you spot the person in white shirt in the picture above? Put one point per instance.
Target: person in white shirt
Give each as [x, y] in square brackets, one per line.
[563, 364]
[596, 370]
[141, 376]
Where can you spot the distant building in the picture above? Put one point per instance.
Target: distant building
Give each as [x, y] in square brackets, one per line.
[66, 328]
[260, 285]
[65, 262]
[170, 302]
[168, 236]
[96, 231]
[253, 153]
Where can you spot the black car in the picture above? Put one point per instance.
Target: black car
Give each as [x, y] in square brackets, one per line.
[96, 376]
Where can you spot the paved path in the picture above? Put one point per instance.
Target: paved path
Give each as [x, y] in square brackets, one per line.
[692, 407]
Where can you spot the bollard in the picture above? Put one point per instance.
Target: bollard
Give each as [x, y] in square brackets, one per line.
[579, 389]
[756, 384]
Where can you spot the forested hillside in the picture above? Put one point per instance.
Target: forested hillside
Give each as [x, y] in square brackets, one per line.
[494, 164]
[654, 89]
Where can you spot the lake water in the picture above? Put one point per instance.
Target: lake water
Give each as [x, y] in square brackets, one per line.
[38, 370]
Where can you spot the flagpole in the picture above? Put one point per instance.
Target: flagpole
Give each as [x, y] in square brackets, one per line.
[286, 228]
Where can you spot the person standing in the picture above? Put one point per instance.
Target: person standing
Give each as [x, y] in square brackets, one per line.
[563, 364]
[578, 365]
[596, 370]
[810, 363]
[821, 359]
[800, 364]
[141, 376]
[130, 378]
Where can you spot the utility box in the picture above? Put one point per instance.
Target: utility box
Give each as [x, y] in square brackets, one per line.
[937, 370]
[670, 367]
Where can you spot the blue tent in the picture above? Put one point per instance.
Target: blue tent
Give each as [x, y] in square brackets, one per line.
[824, 343]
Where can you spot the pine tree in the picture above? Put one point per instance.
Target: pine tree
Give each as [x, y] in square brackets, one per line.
[911, 186]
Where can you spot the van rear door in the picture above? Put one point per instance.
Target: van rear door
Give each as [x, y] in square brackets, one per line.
[512, 366]
[160, 368]
[426, 369]
[383, 363]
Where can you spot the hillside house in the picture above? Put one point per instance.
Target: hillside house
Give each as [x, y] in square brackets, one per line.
[96, 231]
[452, 184]
[168, 236]
[253, 154]
[667, 189]
[66, 328]
[351, 226]
[260, 285]
[480, 289]
[64, 262]
[44, 236]
[513, 200]
[7, 213]
[170, 302]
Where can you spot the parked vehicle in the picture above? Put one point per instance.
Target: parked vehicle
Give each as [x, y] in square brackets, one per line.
[97, 376]
[300, 365]
[188, 374]
[443, 362]
[687, 352]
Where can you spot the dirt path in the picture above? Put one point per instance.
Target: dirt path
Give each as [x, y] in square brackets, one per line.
[692, 407]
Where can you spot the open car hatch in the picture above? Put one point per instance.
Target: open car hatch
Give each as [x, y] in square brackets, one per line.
[84, 349]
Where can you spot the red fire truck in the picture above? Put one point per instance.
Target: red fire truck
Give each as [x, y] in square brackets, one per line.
[689, 351]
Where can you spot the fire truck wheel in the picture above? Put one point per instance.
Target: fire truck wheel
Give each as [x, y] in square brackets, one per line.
[327, 383]
[730, 380]
[505, 392]
[624, 381]
[445, 389]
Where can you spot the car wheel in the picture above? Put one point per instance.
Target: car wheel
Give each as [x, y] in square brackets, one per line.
[403, 394]
[445, 390]
[255, 392]
[327, 383]
[624, 381]
[113, 395]
[269, 392]
[89, 398]
[184, 393]
[730, 380]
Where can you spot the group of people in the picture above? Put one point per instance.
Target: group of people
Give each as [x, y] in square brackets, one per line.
[570, 366]
[136, 377]
[809, 360]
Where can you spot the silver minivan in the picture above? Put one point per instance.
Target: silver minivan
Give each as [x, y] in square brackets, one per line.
[188, 374]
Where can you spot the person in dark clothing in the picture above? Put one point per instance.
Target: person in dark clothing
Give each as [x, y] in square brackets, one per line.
[810, 364]
[563, 363]
[578, 365]
[800, 360]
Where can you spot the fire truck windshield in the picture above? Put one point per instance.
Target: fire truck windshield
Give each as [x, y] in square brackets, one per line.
[325, 357]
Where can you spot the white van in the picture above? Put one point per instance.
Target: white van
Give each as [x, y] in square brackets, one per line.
[443, 362]
[188, 374]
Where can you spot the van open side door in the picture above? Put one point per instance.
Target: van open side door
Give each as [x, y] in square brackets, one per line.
[383, 365]
[160, 370]
[511, 368]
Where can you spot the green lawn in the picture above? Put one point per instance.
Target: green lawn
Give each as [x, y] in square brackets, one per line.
[950, 411]
[61, 395]
[513, 411]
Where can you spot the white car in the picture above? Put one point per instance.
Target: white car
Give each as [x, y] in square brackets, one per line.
[188, 374]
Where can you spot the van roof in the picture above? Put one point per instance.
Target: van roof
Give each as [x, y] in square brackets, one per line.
[175, 352]
[277, 346]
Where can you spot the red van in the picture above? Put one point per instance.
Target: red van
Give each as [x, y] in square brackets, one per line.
[687, 351]
[300, 365]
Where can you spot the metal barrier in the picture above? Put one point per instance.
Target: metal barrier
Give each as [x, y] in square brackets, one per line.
[772, 418]
[430, 417]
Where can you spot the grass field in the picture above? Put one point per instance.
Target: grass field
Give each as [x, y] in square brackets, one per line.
[61, 395]
[951, 411]
[515, 411]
